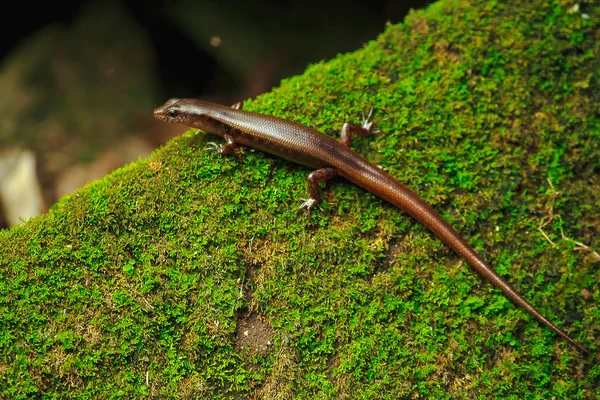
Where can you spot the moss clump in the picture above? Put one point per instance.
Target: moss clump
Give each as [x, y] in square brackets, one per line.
[189, 275]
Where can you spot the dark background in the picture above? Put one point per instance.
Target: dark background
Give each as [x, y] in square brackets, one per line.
[310, 31]
[79, 80]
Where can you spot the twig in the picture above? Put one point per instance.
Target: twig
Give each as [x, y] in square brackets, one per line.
[550, 217]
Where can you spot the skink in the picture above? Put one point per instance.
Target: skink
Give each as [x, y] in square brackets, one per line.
[330, 158]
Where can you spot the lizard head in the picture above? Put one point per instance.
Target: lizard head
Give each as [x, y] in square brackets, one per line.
[173, 111]
[193, 113]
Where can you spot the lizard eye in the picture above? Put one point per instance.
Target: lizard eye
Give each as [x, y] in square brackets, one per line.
[171, 113]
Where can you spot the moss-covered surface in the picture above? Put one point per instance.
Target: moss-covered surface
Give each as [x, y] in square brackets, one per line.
[186, 275]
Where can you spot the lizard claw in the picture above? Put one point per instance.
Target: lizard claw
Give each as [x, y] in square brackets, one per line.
[308, 203]
[366, 122]
[212, 146]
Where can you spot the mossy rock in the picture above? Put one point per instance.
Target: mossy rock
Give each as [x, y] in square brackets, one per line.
[189, 275]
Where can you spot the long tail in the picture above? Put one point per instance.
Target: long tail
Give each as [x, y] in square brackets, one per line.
[386, 187]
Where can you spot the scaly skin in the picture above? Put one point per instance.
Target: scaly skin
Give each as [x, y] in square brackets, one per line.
[300, 144]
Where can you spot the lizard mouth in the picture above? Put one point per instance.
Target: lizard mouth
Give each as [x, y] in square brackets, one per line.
[159, 113]
[166, 111]
[162, 112]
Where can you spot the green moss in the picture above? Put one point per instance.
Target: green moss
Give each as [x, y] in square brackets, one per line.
[144, 283]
